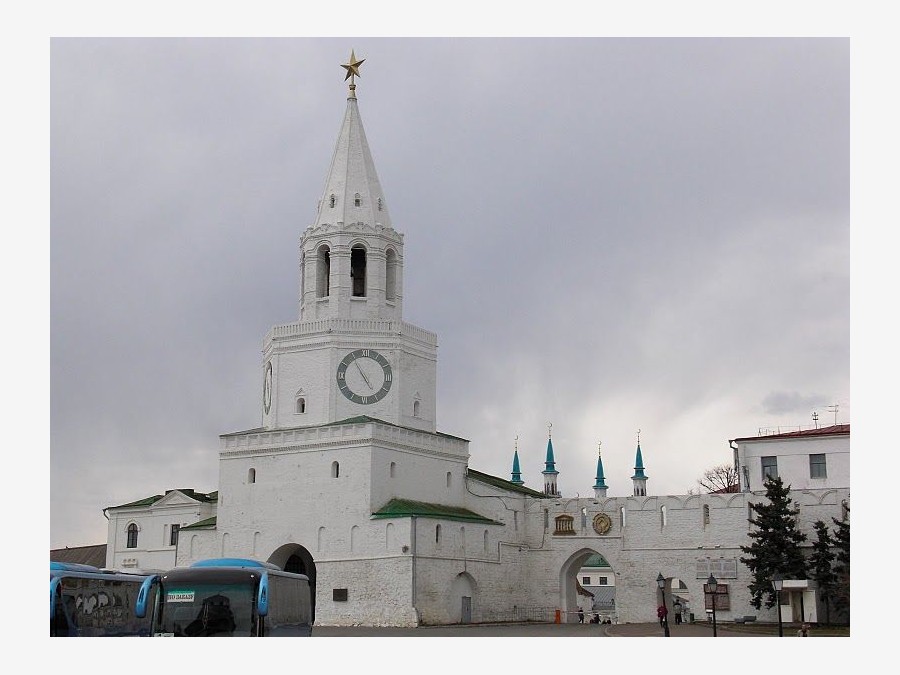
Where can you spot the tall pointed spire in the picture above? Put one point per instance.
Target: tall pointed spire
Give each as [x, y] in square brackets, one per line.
[516, 473]
[550, 472]
[640, 480]
[352, 190]
[351, 250]
[599, 481]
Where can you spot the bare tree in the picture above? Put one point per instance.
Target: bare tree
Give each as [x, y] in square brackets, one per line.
[721, 478]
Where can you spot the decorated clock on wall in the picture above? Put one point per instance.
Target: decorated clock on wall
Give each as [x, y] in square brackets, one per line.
[364, 376]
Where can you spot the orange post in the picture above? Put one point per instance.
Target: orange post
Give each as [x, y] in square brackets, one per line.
[558, 617]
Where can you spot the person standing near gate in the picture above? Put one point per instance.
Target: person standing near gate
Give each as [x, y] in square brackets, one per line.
[661, 613]
[677, 608]
[580, 615]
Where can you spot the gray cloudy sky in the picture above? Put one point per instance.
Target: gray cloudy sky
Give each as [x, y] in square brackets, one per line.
[606, 234]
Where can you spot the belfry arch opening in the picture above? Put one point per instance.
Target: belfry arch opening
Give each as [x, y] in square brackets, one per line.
[588, 581]
[358, 271]
[323, 272]
[390, 276]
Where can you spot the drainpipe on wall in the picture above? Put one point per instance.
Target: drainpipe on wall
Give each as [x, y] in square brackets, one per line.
[413, 551]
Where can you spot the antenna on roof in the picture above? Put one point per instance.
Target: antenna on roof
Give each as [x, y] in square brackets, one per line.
[834, 409]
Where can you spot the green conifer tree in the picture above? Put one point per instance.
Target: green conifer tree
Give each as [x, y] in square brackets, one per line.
[776, 545]
[821, 567]
[842, 568]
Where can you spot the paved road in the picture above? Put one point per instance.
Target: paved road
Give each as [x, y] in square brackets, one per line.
[534, 630]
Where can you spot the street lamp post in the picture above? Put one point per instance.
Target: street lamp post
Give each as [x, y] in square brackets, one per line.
[710, 588]
[661, 582]
[778, 584]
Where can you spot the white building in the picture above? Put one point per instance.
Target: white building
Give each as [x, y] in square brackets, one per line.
[349, 481]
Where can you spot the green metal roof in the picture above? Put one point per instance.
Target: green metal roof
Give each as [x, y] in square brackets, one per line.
[188, 492]
[504, 484]
[201, 524]
[596, 560]
[406, 508]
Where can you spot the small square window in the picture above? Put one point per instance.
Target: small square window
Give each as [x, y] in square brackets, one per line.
[339, 594]
[817, 466]
[603, 581]
[585, 581]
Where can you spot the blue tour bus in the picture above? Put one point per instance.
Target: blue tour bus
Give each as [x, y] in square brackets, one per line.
[86, 601]
[227, 597]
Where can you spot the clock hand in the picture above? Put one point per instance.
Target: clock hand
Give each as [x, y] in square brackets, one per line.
[363, 374]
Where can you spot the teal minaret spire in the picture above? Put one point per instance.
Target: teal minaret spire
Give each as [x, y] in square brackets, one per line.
[640, 480]
[516, 473]
[550, 472]
[599, 482]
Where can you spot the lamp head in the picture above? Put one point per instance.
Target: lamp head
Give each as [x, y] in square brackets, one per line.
[777, 581]
[660, 580]
[711, 585]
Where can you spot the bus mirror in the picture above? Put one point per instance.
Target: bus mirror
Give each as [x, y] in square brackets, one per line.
[140, 605]
[54, 585]
[262, 600]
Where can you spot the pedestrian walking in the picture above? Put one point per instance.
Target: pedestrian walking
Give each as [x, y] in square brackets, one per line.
[580, 615]
[661, 613]
[677, 608]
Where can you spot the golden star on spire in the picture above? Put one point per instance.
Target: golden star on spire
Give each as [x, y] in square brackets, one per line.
[352, 68]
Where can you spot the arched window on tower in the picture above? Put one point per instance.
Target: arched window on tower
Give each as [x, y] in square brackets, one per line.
[323, 272]
[393, 469]
[357, 200]
[132, 536]
[706, 514]
[390, 275]
[251, 476]
[437, 534]
[331, 201]
[358, 271]
[415, 408]
[449, 479]
[380, 204]
[663, 517]
[335, 470]
[301, 405]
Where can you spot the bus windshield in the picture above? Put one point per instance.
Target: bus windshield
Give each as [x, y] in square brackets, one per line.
[207, 609]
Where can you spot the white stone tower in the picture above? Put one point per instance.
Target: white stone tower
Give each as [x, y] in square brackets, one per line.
[350, 354]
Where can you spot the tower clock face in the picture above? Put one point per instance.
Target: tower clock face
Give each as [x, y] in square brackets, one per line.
[267, 388]
[364, 376]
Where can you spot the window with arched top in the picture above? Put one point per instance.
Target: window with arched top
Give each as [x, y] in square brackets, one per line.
[357, 200]
[251, 476]
[358, 271]
[485, 541]
[335, 470]
[437, 534]
[622, 517]
[380, 204]
[132, 539]
[390, 275]
[301, 405]
[393, 469]
[323, 271]
[449, 479]
[416, 407]
[663, 516]
[331, 201]
[706, 514]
